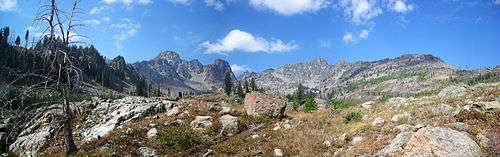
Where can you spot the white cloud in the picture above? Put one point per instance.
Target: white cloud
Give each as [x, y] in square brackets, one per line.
[92, 22]
[240, 68]
[128, 2]
[98, 9]
[290, 7]
[217, 4]
[8, 5]
[351, 37]
[240, 40]
[124, 30]
[400, 6]
[360, 11]
[497, 2]
[183, 2]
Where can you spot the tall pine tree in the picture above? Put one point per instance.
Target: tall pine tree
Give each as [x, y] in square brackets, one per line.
[228, 85]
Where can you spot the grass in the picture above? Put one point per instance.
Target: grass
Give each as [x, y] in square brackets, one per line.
[180, 138]
[352, 117]
[336, 104]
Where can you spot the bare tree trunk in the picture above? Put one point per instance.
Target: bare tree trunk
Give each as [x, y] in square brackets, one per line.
[67, 129]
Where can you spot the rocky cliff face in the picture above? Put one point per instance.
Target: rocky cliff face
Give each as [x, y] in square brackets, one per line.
[407, 74]
[171, 72]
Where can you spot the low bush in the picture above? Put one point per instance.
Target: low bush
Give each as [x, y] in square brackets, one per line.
[180, 138]
[310, 104]
[352, 116]
[336, 104]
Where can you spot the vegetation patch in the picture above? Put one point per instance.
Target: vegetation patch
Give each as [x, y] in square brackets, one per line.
[337, 104]
[352, 117]
[180, 138]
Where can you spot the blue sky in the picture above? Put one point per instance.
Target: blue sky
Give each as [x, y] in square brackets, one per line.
[260, 34]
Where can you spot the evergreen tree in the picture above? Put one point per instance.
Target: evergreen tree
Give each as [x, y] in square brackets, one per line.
[295, 103]
[300, 94]
[228, 85]
[158, 92]
[26, 36]
[239, 91]
[5, 36]
[140, 87]
[18, 41]
[310, 104]
[246, 86]
[253, 85]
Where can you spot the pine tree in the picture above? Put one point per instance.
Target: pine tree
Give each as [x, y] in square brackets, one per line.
[253, 85]
[228, 85]
[140, 87]
[239, 90]
[246, 86]
[310, 104]
[295, 103]
[300, 94]
[18, 41]
[26, 36]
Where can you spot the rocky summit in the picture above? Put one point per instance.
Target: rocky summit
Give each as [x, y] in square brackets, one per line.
[172, 73]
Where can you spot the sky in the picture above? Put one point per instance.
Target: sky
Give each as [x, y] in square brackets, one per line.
[256, 35]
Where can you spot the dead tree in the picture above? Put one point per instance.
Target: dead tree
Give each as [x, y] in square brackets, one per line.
[62, 75]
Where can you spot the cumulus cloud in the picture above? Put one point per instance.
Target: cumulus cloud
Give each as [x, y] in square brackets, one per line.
[124, 30]
[400, 6]
[216, 4]
[244, 41]
[360, 11]
[351, 37]
[8, 5]
[240, 68]
[289, 7]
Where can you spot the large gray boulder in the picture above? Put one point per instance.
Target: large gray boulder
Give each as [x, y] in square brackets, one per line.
[259, 104]
[397, 144]
[229, 124]
[441, 142]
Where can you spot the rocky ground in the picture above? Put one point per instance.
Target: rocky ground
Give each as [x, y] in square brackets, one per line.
[459, 121]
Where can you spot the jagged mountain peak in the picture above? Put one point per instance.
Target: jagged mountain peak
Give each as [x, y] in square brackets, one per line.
[319, 61]
[169, 55]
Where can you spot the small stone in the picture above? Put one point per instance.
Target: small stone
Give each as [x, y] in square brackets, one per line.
[418, 126]
[225, 110]
[327, 143]
[147, 152]
[459, 126]
[201, 122]
[368, 104]
[255, 136]
[152, 133]
[378, 122]
[401, 117]
[229, 124]
[278, 152]
[405, 128]
[174, 111]
[152, 125]
[356, 140]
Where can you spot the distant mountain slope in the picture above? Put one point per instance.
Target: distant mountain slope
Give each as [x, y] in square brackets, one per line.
[173, 73]
[405, 75]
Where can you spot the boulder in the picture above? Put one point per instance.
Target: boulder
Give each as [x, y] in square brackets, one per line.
[378, 122]
[147, 152]
[405, 128]
[397, 144]
[442, 109]
[437, 141]
[229, 124]
[174, 111]
[401, 117]
[356, 140]
[152, 133]
[201, 122]
[278, 152]
[258, 104]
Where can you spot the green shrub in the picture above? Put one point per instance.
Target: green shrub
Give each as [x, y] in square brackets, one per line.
[180, 137]
[336, 104]
[352, 116]
[295, 103]
[310, 104]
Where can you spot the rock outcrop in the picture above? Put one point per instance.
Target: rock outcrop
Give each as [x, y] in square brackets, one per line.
[258, 104]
